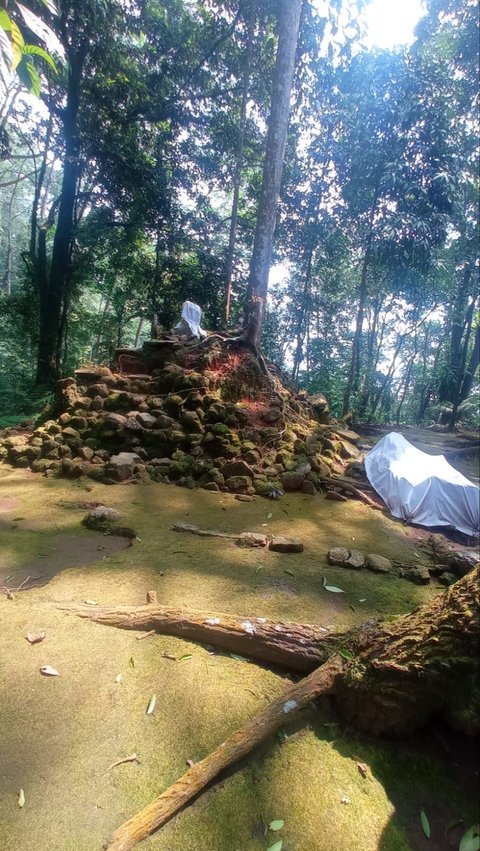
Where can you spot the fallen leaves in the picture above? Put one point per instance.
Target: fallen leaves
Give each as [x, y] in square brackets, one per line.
[48, 671]
[151, 704]
[332, 588]
[425, 824]
[470, 840]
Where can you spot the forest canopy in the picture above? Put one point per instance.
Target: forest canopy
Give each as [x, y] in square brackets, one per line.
[132, 143]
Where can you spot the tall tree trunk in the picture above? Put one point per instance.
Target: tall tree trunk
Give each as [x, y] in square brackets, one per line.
[288, 26]
[138, 332]
[472, 367]
[461, 368]
[39, 183]
[49, 347]
[458, 311]
[239, 157]
[303, 317]
[406, 384]
[371, 360]
[425, 402]
[388, 376]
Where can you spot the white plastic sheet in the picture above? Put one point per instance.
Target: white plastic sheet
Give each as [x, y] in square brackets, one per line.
[421, 488]
[190, 321]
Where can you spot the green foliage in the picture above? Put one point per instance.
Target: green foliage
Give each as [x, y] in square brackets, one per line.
[380, 191]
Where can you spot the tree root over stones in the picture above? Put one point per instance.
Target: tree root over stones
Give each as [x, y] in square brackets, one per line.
[384, 677]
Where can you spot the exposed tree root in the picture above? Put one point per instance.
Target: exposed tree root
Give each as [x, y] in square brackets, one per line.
[296, 647]
[385, 678]
[239, 744]
[403, 671]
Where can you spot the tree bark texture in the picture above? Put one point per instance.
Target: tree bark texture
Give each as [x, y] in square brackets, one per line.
[51, 305]
[297, 647]
[288, 25]
[239, 158]
[322, 681]
[402, 672]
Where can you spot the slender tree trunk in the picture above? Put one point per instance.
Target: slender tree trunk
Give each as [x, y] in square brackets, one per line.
[303, 318]
[239, 157]
[406, 384]
[138, 332]
[39, 183]
[371, 360]
[458, 312]
[354, 373]
[288, 26]
[461, 368]
[388, 376]
[425, 403]
[7, 276]
[472, 367]
[98, 339]
[49, 348]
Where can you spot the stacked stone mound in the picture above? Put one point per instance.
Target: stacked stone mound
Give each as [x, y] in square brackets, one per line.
[221, 427]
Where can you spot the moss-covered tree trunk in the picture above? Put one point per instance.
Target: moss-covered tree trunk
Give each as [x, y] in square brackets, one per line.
[423, 663]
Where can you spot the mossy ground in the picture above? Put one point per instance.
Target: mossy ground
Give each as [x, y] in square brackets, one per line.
[60, 735]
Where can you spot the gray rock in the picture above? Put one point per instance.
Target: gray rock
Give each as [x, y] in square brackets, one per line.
[343, 557]
[462, 563]
[116, 421]
[86, 453]
[146, 420]
[419, 574]
[236, 468]
[238, 484]
[356, 559]
[338, 556]
[251, 539]
[125, 458]
[377, 564]
[447, 578]
[100, 518]
[191, 422]
[272, 415]
[132, 424]
[285, 545]
[211, 486]
[292, 481]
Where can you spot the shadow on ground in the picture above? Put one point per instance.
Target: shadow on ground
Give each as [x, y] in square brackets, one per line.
[60, 735]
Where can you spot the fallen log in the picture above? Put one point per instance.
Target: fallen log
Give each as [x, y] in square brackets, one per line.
[322, 681]
[404, 670]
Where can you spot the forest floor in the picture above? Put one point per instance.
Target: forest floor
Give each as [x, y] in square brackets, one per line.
[61, 734]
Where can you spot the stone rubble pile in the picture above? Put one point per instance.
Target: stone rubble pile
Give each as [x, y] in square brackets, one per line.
[188, 427]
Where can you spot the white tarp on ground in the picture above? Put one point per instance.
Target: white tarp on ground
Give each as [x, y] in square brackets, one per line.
[421, 488]
[190, 321]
